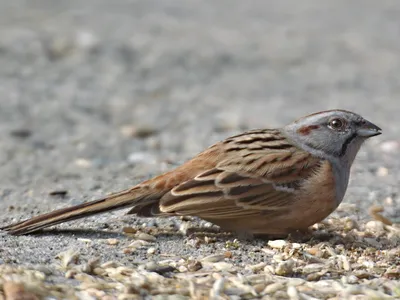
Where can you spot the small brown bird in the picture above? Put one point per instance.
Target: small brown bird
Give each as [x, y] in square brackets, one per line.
[266, 181]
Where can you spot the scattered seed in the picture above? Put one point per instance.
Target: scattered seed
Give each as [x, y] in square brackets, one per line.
[213, 258]
[285, 268]
[68, 257]
[277, 244]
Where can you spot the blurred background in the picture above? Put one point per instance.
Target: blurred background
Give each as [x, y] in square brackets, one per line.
[97, 95]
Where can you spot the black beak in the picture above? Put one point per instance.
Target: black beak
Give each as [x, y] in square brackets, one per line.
[368, 129]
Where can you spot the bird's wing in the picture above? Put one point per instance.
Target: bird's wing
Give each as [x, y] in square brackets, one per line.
[249, 183]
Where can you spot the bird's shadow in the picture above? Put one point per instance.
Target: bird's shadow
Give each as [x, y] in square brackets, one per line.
[313, 238]
[80, 233]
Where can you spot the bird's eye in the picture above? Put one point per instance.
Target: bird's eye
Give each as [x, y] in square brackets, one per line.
[337, 124]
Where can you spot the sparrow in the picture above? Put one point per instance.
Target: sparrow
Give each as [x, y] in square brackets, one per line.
[262, 182]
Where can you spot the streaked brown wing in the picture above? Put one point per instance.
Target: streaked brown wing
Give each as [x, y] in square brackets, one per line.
[250, 183]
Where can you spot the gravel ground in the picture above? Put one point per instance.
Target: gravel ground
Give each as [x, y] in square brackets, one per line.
[99, 95]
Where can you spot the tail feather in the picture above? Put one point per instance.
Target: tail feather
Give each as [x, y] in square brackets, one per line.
[113, 202]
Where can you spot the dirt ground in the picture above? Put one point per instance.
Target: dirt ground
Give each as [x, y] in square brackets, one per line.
[99, 95]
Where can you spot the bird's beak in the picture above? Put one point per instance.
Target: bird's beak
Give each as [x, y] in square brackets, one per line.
[368, 129]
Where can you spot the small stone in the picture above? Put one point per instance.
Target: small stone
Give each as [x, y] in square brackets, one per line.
[145, 237]
[228, 254]
[22, 133]
[138, 131]
[382, 172]
[129, 230]
[141, 157]
[83, 163]
[86, 39]
[277, 244]
[194, 266]
[314, 276]
[113, 242]
[151, 250]
[159, 269]
[390, 146]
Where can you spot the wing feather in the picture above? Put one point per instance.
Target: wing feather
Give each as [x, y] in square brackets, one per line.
[244, 184]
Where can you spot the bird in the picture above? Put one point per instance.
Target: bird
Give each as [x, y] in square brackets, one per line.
[261, 182]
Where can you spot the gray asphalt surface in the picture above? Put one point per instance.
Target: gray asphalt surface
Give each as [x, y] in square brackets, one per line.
[73, 74]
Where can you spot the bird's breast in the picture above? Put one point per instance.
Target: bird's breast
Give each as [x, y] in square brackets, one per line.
[317, 197]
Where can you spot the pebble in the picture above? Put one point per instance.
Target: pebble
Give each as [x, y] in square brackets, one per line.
[390, 146]
[112, 242]
[86, 39]
[141, 157]
[194, 266]
[83, 163]
[145, 237]
[277, 244]
[153, 267]
[21, 133]
[143, 131]
[151, 250]
[382, 172]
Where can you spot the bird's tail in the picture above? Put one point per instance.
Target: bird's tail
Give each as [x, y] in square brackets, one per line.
[115, 201]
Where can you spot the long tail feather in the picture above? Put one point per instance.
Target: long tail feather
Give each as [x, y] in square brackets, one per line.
[112, 202]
